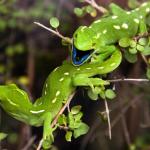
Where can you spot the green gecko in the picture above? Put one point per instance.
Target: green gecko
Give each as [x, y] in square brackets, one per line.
[102, 35]
[60, 84]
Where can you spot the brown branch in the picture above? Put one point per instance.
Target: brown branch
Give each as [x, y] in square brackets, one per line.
[128, 80]
[124, 110]
[108, 118]
[68, 40]
[62, 110]
[136, 38]
[95, 5]
[30, 142]
[57, 116]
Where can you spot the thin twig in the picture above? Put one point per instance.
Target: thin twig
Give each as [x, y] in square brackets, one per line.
[124, 110]
[136, 38]
[57, 116]
[125, 129]
[40, 144]
[54, 32]
[62, 110]
[108, 118]
[95, 5]
[128, 80]
[30, 142]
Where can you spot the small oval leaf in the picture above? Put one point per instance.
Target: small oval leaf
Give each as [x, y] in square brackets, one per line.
[54, 22]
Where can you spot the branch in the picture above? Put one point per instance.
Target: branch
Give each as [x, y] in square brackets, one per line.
[128, 80]
[68, 40]
[62, 109]
[95, 5]
[57, 116]
[141, 36]
[108, 118]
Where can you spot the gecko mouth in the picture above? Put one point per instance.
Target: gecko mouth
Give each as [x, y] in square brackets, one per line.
[79, 57]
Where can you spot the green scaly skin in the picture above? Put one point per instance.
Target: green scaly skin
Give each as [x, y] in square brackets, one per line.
[103, 34]
[65, 79]
[58, 87]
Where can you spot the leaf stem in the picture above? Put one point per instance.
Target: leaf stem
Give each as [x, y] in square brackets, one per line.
[68, 40]
[95, 5]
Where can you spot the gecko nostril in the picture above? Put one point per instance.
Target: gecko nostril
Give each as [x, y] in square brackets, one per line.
[76, 35]
[93, 44]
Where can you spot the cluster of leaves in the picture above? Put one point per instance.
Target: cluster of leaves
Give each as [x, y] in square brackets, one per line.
[73, 123]
[135, 46]
[88, 9]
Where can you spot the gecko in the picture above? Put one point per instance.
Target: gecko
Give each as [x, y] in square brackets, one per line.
[103, 35]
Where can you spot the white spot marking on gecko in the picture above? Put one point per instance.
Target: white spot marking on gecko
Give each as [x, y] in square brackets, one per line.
[61, 79]
[100, 67]
[55, 69]
[147, 9]
[112, 64]
[45, 92]
[88, 68]
[104, 31]
[20, 92]
[66, 73]
[125, 25]
[97, 21]
[78, 69]
[144, 4]
[116, 27]
[54, 100]
[82, 29]
[46, 85]
[114, 17]
[136, 20]
[57, 93]
[128, 12]
[36, 112]
[97, 36]
[141, 17]
[90, 27]
[12, 103]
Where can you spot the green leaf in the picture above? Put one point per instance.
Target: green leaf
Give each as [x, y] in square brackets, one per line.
[133, 43]
[83, 129]
[132, 58]
[62, 120]
[124, 42]
[78, 116]
[76, 109]
[2, 136]
[71, 121]
[143, 41]
[133, 4]
[54, 22]
[92, 95]
[148, 73]
[89, 9]
[132, 50]
[110, 94]
[68, 136]
[79, 12]
[146, 51]
[140, 48]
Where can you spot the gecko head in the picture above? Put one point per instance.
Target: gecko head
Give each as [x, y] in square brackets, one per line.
[82, 45]
[82, 39]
